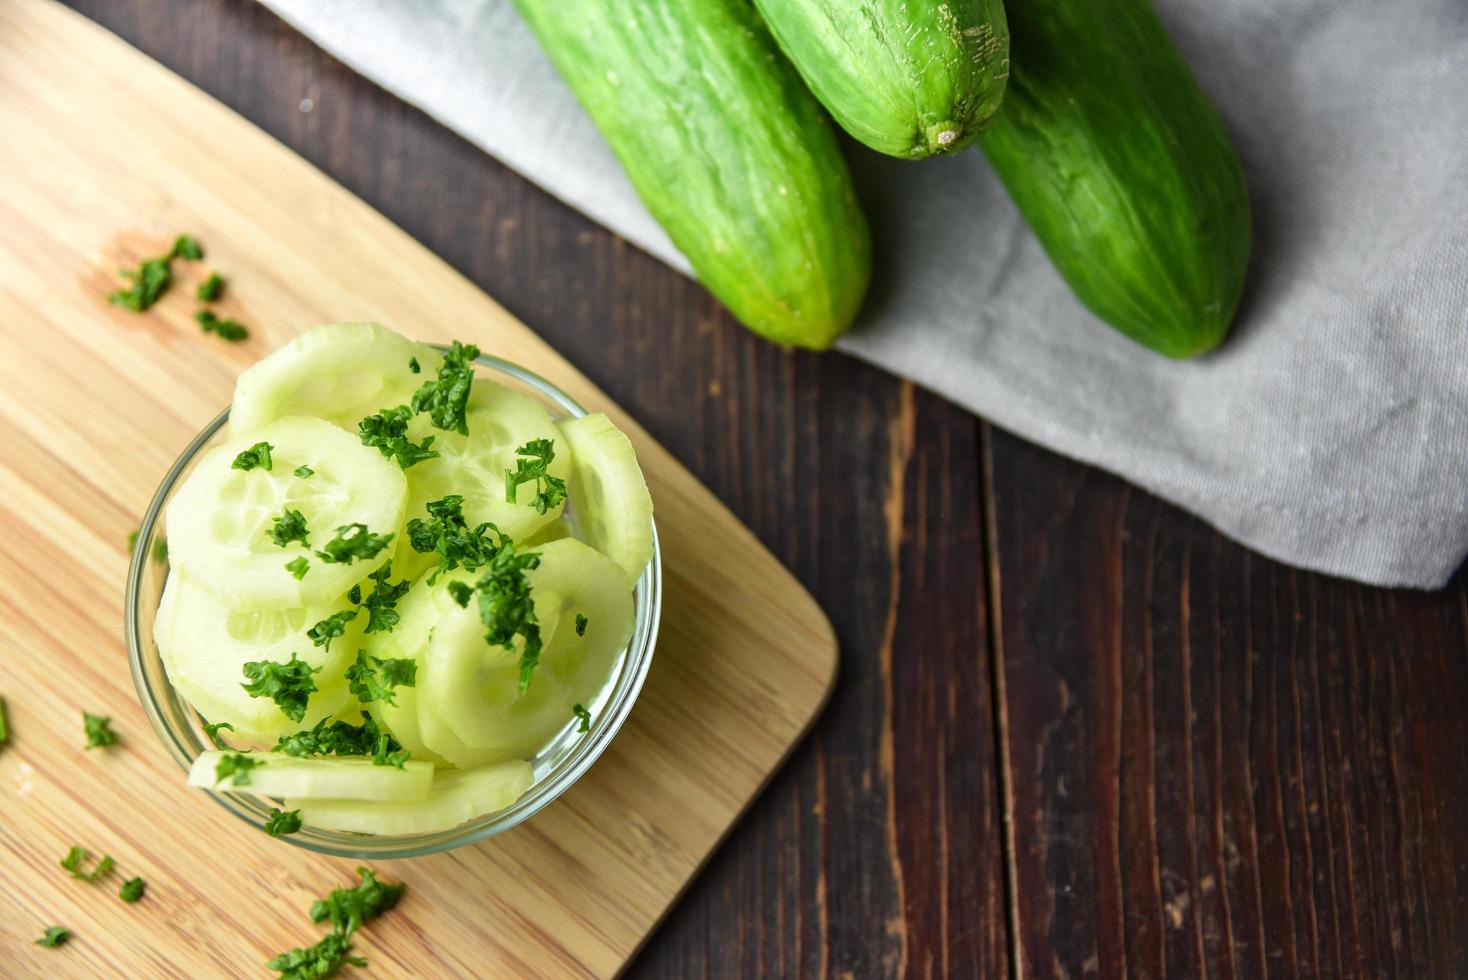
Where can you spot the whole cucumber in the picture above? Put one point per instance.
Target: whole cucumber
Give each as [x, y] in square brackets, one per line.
[1123, 170]
[727, 149]
[909, 78]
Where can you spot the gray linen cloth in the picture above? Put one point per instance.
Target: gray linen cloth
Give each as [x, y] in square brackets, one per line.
[1331, 431]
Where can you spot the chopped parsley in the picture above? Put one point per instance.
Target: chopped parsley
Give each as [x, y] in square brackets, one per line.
[414, 366]
[304, 472]
[283, 822]
[289, 526]
[322, 960]
[374, 679]
[505, 606]
[387, 432]
[235, 766]
[160, 551]
[212, 730]
[4, 724]
[353, 541]
[343, 738]
[256, 455]
[210, 289]
[347, 909]
[461, 592]
[186, 247]
[132, 890]
[99, 731]
[582, 715]
[382, 614]
[288, 684]
[533, 466]
[55, 936]
[298, 567]
[354, 594]
[331, 627]
[447, 399]
[226, 329]
[149, 280]
[77, 856]
[581, 622]
[448, 535]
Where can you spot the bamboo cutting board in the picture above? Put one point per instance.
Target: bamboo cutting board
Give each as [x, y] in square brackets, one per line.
[104, 157]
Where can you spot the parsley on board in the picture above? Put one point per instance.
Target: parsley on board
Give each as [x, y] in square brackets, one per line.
[373, 679]
[387, 432]
[343, 738]
[446, 400]
[584, 716]
[149, 280]
[55, 936]
[288, 684]
[349, 908]
[581, 622]
[330, 628]
[322, 960]
[414, 366]
[212, 730]
[289, 526]
[132, 890]
[227, 329]
[353, 541]
[236, 767]
[533, 466]
[75, 856]
[99, 731]
[210, 289]
[283, 822]
[4, 724]
[256, 455]
[382, 614]
[186, 247]
[298, 567]
[304, 472]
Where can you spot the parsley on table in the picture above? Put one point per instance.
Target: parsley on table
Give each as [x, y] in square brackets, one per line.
[387, 432]
[448, 535]
[446, 400]
[256, 455]
[235, 766]
[212, 730]
[304, 472]
[382, 614]
[226, 329]
[75, 856]
[288, 684]
[186, 247]
[347, 909]
[343, 738]
[55, 936]
[289, 526]
[210, 289]
[353, 541]
[581, 622]
[584, 716]
[298, 567]
[321, 960]
[283, 822]
[132, 890]
[149, 280]
[374, 679]
[533, 466]
[4, 724]
[330, 628]
[99, 731]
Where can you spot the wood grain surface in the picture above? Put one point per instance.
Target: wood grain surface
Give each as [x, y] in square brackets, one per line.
[1076, 732]
[118, 156]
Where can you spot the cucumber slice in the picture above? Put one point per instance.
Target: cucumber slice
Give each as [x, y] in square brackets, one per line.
[220, 520]
[500, 421]
[457, 796]
[554, 531]
[204, 647]
[609, 498]
[337, 778]
[342, 372]
[470, 706]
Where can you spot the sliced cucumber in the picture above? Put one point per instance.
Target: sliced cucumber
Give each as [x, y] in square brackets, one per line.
[457, 796]
[609, 499]
[341, 372]
[204, 647]
[220, 520]
[470, 706]
[554, 531]
[337, 778]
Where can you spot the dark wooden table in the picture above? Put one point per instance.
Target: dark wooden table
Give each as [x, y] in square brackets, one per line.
[1077, 732]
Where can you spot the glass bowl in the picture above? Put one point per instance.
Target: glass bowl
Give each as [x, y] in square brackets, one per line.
[558, 765]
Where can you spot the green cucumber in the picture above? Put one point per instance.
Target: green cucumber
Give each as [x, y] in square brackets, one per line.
[909, 78]
[1123, 170]
[728, 150]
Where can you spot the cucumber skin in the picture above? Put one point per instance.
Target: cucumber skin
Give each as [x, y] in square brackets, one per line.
[1123, 170]
[909, 78]
[728, 151]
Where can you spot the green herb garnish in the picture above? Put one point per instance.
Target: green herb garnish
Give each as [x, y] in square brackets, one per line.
[212, 731]
[549, 490]
[581, 622]
[76, 856]
[331, 627]
[132, 890]
[414, 366]
[342, 738]
[448, 535]
[505, 607]
[382, 615]
[298, 567]
[461, 592]
[186, 247]
[210, 289]
[283, 822]
[288, 684]
[149, 280]
[387, 432]
[160, 551]
[55, 936]
[289, 526]
[579, 710]
[353, 541]
[256, 455]
[99, 731]
[446, 400]
[373, 679]
[347, 909]
[304, 472]
[236, 766]
[4, 724]
[354, 594]
[226, 329]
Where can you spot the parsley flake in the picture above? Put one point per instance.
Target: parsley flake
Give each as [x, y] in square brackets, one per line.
[99, 731]
[4, 724]
[382, 615]
[210, 289]
[387, 432]
[149, 280]
[373, 679]
[584, 716]
[186, 247]
[256, 455]
[461, 593]
[414, 366]
[304, 472]
[354, 594]
[76, 856]
[227, 329]
[505, 607]
[212, 730]
[288, 684]
[283, 822]
[298, 567]
[446, 400]
[55, 936]
[132, 890]
[330, 628]
[448, 535]
[343, 738]
[347, 909]
[549, 490]
[289, 526]
[581, 622]
[235, 766]
[353, 541]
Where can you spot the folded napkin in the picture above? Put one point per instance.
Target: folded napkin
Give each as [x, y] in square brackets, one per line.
[1331, 431]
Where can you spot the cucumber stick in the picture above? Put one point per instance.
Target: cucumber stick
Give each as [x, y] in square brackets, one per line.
[909, 78]
[1123, 170]
[728, 150]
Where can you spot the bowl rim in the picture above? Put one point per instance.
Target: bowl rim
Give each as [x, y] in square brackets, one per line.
[255, 810]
